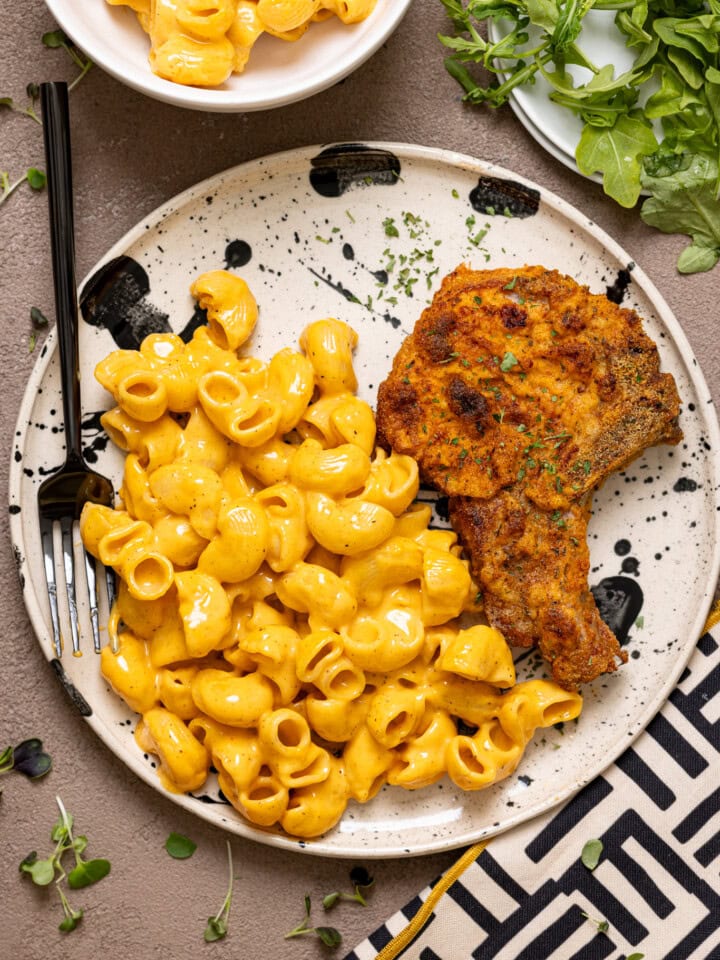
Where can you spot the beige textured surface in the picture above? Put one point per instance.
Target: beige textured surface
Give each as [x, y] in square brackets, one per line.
[131, 154]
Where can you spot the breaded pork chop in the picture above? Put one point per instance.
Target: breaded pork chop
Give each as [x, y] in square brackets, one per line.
[518, 392]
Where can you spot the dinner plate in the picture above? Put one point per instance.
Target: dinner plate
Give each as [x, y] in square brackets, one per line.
[365, 232]
[278, 73]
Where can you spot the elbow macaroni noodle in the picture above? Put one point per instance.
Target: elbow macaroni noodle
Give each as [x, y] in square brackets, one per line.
[285, 613]
[202, 44]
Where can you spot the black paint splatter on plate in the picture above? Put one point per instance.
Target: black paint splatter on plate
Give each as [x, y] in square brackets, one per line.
[77, 699]
[619, 600]
[618, 288]
[337, 168]
[116, 298]
[495, 196]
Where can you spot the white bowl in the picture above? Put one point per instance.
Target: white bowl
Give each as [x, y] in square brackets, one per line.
[277, 74]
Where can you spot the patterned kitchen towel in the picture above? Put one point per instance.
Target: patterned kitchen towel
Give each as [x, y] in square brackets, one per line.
[655, 893]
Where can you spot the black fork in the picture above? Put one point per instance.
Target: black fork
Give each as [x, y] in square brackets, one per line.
[62, 496]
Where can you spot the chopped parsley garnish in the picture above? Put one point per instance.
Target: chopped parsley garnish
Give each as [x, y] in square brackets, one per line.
[390, 229]
[508, 362]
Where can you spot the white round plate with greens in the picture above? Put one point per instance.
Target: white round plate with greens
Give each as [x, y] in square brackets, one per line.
[365, 232]
[554, 127]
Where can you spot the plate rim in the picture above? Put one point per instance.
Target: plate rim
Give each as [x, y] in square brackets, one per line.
[230, 101]
[665, 315]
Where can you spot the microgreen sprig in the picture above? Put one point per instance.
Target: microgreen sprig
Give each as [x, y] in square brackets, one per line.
[361, 880]
[83, 874]
[602, 925]
[58, 39]
[217, 926]
[328, 935]
[35, 178]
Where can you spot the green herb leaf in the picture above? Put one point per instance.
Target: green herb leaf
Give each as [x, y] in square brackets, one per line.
[330, 899]
[36, 178]
[70, 921]
[42, 872]
[38, 318]
[591, 853]
[216, 929]
[30, 759]
[88, 872]
[390, 229]
[686, 202]
[62, 829]
[6, 760]
[602, 925]
[636, 956]
[26, 861]
[329, 936]
[54, 39]
[508, 362]
[180, 847]
[616, 153]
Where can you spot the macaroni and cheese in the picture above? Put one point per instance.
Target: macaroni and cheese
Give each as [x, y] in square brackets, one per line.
[202, 44]
[286, 614]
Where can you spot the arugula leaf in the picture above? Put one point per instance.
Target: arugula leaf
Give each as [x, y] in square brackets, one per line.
[616, 153]
[543, 13]
[675, 44]
[686, 202]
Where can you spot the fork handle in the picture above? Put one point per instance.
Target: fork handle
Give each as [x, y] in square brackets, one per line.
[58, 158]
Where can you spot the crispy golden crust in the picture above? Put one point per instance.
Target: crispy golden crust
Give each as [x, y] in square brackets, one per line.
[523, 390]
[524, 376]
[533, 566]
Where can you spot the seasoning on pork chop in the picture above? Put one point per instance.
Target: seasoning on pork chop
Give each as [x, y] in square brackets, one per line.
[522, 391]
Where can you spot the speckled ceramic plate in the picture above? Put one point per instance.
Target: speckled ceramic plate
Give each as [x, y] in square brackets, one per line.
[278, 73]
[312, 231]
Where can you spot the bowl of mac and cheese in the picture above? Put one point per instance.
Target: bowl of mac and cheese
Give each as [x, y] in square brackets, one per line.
[233, 55]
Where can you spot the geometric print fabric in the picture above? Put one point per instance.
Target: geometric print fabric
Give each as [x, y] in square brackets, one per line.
[656, 890]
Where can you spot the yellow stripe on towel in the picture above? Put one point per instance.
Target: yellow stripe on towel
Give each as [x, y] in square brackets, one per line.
[713, 617]
[406, 936]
